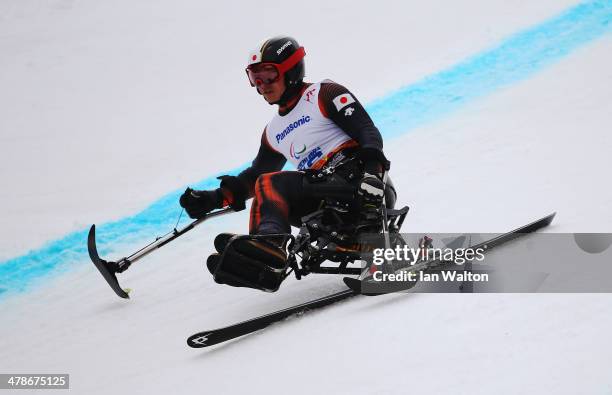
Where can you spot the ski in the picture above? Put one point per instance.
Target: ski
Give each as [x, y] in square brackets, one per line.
[215, 336]
[356, 285]
[102, 266]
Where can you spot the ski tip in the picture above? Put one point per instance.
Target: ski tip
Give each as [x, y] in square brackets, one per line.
[549, 218]
[92, 249]
[200, 340]
[127, 292]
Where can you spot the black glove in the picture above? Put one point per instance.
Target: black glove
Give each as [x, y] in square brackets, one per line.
[237, 190]
[372, 157]
[199, 203]
[371, 190]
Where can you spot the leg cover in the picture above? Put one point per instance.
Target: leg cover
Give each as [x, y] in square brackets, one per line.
[251, 261]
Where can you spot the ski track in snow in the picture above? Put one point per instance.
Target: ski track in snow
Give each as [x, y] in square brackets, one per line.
[513, 60]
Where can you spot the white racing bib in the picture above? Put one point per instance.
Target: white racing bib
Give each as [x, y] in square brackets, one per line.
[305, 136]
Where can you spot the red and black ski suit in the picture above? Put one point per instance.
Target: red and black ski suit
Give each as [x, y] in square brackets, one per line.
[280, 199]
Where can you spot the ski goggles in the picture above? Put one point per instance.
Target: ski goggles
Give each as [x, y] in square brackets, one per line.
[268, 73]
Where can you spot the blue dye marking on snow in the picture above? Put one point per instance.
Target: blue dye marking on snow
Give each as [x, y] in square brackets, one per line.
[18, 274]
[516, 58]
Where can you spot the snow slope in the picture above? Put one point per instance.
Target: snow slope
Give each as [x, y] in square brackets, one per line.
[108, 107]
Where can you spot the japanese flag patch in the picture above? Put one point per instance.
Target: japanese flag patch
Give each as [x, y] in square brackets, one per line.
[343, 100]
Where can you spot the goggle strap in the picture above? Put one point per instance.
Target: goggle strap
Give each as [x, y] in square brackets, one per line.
[292, 60]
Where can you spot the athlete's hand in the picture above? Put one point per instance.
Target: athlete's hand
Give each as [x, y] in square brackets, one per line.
[199, 203]
[371, 190]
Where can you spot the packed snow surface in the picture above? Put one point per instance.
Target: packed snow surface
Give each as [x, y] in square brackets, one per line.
[110, 107]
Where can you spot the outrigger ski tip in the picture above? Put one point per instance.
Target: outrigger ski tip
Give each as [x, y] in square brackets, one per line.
[102, 265]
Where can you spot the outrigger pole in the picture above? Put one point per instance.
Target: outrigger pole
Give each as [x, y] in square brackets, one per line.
[109, 268]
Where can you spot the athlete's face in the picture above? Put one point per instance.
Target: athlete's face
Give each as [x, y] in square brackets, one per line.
[272, 92]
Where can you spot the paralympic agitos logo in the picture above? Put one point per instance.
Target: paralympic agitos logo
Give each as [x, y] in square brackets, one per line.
[291, 127]
[296, 153]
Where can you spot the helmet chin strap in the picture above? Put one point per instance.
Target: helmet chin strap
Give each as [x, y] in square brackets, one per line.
[289, 93]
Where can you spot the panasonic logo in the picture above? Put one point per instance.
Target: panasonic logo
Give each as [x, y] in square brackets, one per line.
[292, 126]
[281, 49]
